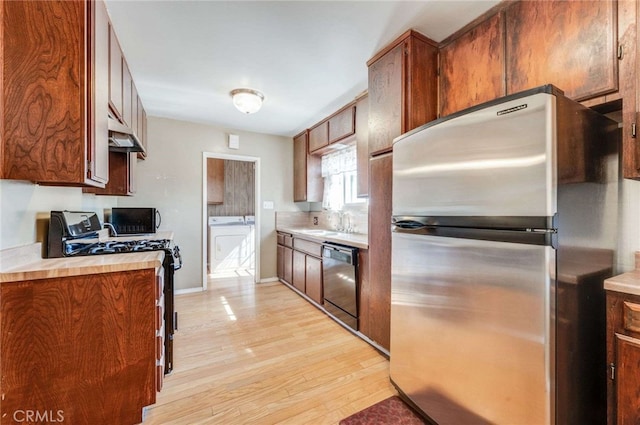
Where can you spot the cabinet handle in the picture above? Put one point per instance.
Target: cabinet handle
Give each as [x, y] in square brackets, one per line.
[613, 371]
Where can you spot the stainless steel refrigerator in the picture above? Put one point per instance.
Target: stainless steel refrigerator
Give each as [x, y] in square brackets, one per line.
[504, 228]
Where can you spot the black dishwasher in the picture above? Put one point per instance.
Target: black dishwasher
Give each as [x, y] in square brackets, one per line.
[340, 282]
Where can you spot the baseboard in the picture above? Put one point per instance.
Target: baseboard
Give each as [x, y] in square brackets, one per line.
[268, 280]
[188, 290]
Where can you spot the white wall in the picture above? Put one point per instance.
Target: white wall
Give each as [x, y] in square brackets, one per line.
[22, 203]
[171, 180]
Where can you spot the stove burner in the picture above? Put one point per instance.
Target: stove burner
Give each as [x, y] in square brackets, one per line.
[114, 247]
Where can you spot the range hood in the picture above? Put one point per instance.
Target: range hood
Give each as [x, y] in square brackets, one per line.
[122, 138]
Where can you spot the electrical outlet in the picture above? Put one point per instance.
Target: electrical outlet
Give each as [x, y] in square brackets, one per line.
[315, 221]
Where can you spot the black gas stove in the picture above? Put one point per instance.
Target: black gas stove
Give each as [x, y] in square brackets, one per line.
[83, 247]
[74, 233]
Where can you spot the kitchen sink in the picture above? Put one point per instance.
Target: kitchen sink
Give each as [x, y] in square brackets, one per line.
[319, 232]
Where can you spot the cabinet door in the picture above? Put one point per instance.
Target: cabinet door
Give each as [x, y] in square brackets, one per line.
[280, 262]
[379, 285]
[307, 179]
[51, 129]
[299, 270]
[98, 133]
[288, 265]
[215, 181]
[141, 124]
[115, 74]
[342, 124]
[319, 136]
[628, 380]
[300, 167]
[472, 67]
[385, 99]
[127, 95]
[571, 44]
[314, 279]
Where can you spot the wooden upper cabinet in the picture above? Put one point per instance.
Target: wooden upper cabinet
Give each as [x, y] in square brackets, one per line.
[472, 67]
[570, 44]
[300, 167]
[215, 181]
[54, 100]
[403, 89]
[319, 136]
[307, 178]
[342, 124]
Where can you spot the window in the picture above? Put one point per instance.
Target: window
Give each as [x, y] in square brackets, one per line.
[340, 179]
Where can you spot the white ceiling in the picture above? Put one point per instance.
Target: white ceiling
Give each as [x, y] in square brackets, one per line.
[307, 57]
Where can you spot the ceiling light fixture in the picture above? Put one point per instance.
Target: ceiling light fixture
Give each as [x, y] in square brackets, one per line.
[247, 101]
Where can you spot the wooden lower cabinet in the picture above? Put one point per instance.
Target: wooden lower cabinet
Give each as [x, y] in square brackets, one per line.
[82, 347]
[302, 267]
[623, 358]
[285, 257]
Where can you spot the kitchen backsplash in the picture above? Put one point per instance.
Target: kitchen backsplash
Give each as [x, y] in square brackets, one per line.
[353, 216]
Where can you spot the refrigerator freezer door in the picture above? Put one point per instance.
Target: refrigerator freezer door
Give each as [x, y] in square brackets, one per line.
[470, 329]
[497, 161]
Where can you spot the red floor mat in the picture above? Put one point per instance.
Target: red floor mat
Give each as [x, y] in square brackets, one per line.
[392, 411]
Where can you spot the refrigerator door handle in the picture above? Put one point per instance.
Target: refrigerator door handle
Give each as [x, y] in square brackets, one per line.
[408, 224]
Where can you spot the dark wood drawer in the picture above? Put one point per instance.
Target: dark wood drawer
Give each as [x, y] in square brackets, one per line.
[311, 248]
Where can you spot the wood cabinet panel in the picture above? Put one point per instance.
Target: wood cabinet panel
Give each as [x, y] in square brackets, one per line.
[84, 345]
[288, 265]
[215, 181]
[308, 247]
[385, 99]
[280, 261]
[571, 44]
[299, 270]
[142, 127]
[362, 145]
[472, 67]
[318, 136]
[379, 285]
[307, 179]
[115, 75]
[122, 181]
[127, 96]
[300, 167]
[54, 121]
[403, 89]
[623, 356]
[313, 284]
[628, 379]
[342, 124]
[420, 84]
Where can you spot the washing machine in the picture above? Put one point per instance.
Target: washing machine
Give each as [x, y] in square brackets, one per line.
[231, 244]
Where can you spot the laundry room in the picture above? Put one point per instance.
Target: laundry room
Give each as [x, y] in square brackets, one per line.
[231, 217]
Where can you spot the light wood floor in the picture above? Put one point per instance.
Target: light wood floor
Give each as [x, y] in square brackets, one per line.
[260, 354]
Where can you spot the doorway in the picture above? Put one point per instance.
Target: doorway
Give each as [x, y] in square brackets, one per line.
[231, 219]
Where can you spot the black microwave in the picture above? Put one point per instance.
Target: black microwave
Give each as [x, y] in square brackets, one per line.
[128, 221]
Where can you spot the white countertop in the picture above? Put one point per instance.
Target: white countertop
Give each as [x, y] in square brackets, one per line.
[358, 240]
[628, 283]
